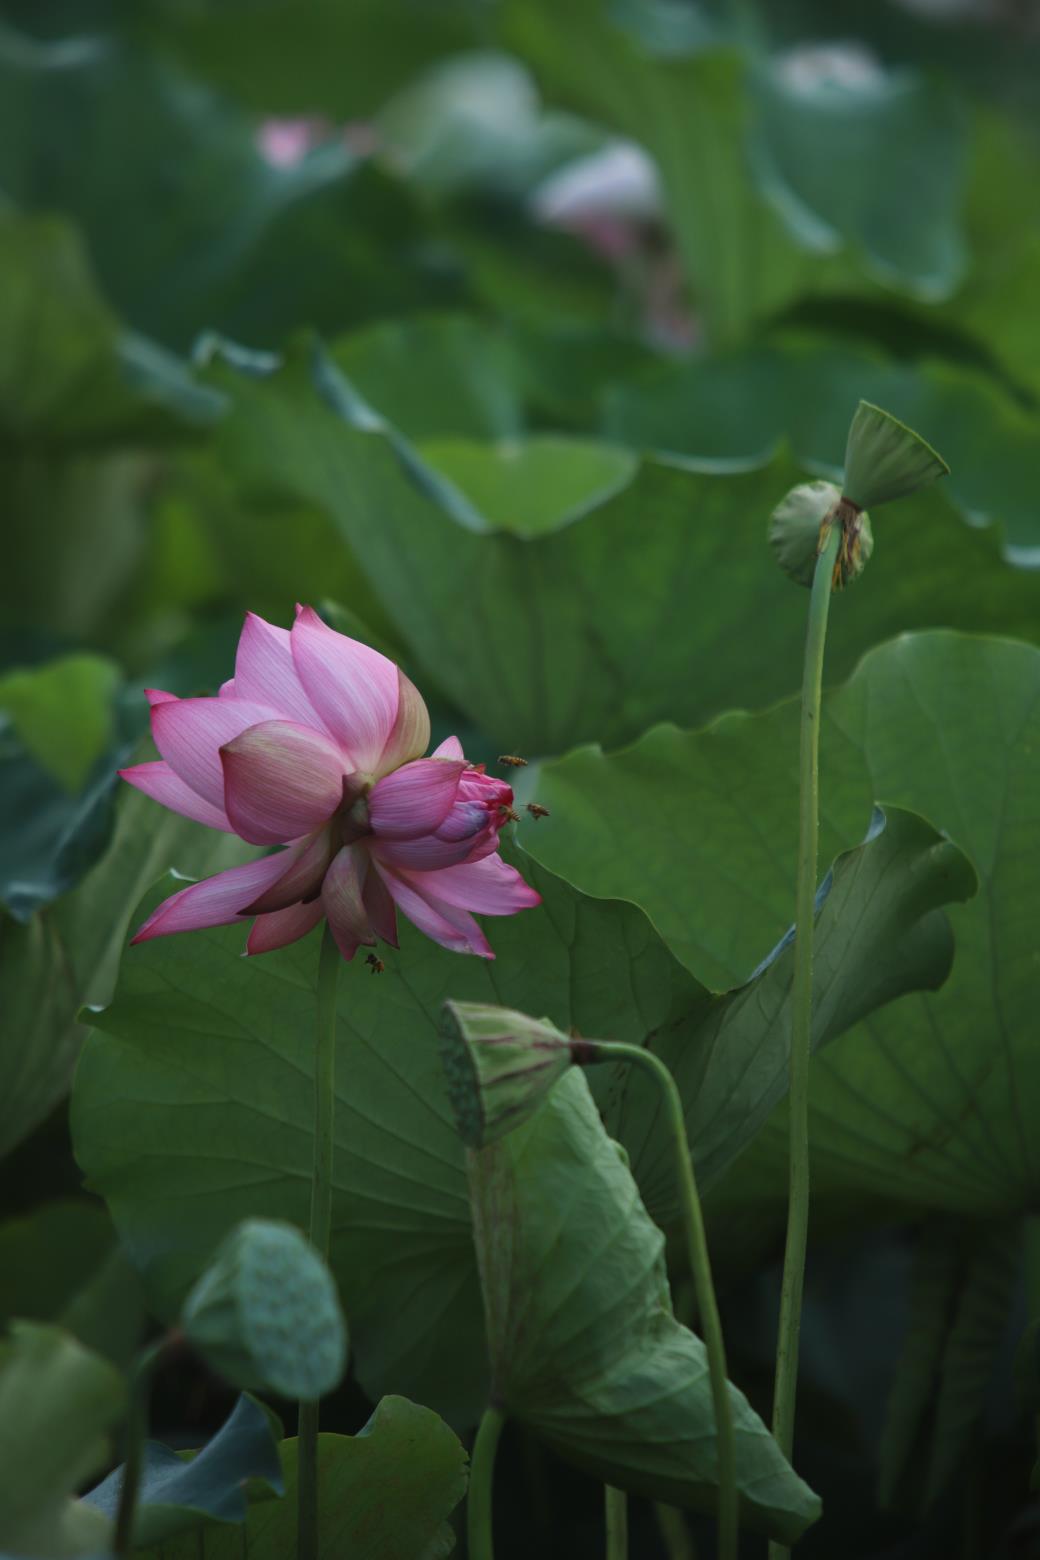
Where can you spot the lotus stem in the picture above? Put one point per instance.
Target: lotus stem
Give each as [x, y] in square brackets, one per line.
[136, 1434]
[479, 1505]
[704, 1288]
[785, 1388]
[320, 1227]
[616, 1512]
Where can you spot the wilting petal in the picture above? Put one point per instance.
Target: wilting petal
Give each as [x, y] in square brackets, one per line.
[341, 895]
[158, 781]
[352, 687]
[380, 907]
[302, 879]
[432, 853]
[411, 734]
[283, 927]
[415, 799]
[489, 886]
[280, 781]
[190, 733]
[265, 670]
[216, 901]
[451, 747]
[445, 924]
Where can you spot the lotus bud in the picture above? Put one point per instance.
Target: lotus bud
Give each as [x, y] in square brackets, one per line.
[797, 526]
[266, 1313]
[500, 1065]
[884, 459]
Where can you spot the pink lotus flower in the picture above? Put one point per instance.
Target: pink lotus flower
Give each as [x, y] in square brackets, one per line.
[316, 745]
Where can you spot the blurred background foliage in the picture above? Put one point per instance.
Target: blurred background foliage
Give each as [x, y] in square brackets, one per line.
[495, 328]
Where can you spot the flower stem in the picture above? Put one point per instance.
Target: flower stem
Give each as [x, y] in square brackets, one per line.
[479, 1527]
[616, 1510]
[320, 1224]
[700, 1267]
[136, 1432]
[674, 1534]
[785, 1388]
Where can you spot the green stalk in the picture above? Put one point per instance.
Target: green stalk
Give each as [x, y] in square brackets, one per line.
[616, 1511]
[785, 1388]
[700, 1267]
[136, 1434]
[320, 1228]
[479, 1529]
[675, 1535]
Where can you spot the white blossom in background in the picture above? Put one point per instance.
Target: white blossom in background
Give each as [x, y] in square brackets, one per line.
[819, 67]
[618, 182]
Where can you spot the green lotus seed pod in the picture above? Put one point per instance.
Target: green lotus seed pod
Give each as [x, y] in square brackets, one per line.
[794, 532]
[500, 1065]
[794, 528]
[884, 459]
[266, 1313]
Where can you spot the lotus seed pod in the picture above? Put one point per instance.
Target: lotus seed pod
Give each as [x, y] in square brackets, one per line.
[266, 1313]
[795, 526]
[884, 459]
[500, 1065]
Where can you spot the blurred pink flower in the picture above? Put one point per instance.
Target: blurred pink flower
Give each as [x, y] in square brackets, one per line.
[316, 745]
[285, 142]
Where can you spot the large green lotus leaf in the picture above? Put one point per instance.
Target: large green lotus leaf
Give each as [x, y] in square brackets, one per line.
[339, 62]
[1003, 217]
[76, 531]
[532, 486]
[565, 370]
[222, 239]
[69, 375]
[65, 727]
[385, 1495]
[68, 954]
[193, 1100]
[934, 1103]
[217, 189]
[79, 398]
[50, 832]
[930, 1102]
[63, 713]
[533, 277]
[795, 389]
[47, 1254]
[700, 828]
[583, 1343]
[438, 375]
[873, 159]
[265, 548]
[612, 620]
[962, 1294]
[62, 1263]
[880, 934]
[58, 1403]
